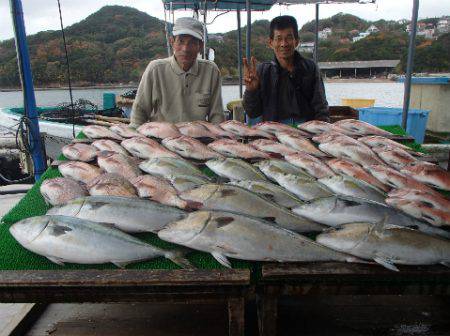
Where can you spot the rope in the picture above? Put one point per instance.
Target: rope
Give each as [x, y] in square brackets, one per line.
[68, 69]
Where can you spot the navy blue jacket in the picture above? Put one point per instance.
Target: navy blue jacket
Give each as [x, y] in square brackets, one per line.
[309, 89]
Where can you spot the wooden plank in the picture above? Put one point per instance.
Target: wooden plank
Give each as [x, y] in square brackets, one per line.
[104, 278]
[236, 316]
[11, 315]
[334, 270]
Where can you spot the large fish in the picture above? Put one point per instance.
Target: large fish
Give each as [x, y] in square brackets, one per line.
[216, 130]
[270, 191]
[422, 211]
[66, 239]
[361, 127]
[235, 149]
[338, 210]
[345, 167]
[159, 130]
[167, 166]
[60, 190]
[299, 144]
[196, 130]
[273, 167]
[319, 127]
[272, 147]
[239, 200]
[186, 182]
[119, 164]
[225, 234]
[348, 186]
[242, 130]
[360, 153]
[79, 171]
[106, 145]
[395, 157]
[430, 174]
[189, 148]
[79, 152]
[110, 184]
[435, 200]
[374, 141]
[146, 148]
[312, 165]
[305, 189]
[235, 169]
[387, 245]
[159, 190]
[100, 132]
[395, 179]
[124, 131]
[125, 213]
[274, 127]
[332, 136]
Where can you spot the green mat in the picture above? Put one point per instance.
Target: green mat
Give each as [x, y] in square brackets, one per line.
[14, 257]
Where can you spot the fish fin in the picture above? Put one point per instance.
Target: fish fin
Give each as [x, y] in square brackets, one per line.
[120, 264]
[379, 226]
[108, 225]
[56, 260]
[223, 221]
[270, 219]
[221, 259]
[178, 257]
[385, 263]
[445, 263]
[275, 155]
[270, 197]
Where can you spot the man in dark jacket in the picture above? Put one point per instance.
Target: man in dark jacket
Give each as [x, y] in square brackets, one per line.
[288, 89]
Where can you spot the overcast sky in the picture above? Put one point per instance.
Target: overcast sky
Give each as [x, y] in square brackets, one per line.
[43, 14]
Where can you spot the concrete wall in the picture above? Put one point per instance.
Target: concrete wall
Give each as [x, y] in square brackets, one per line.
[435, 98]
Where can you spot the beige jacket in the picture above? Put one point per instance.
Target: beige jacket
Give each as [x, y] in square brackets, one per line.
[168, 93]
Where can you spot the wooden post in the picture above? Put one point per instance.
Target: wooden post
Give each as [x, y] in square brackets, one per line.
[267, 310]
[236, 316]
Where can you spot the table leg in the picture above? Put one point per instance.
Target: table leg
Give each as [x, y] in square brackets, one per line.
[267, 310]
[236, 316]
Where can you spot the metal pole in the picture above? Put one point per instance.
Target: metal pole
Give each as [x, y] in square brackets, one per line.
[205, 33]
[23, 59]
[249, 29]
[410, 64]
[239, 51]
[166, 25]
[316, 36]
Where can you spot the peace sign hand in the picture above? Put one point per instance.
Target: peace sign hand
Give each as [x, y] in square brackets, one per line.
[251, 78]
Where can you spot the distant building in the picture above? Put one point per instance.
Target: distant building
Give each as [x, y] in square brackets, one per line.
[215, 37]
[324, 33]
[306, 47]
[360, 36]
[443, 25]
[427, 33]
[372, 29]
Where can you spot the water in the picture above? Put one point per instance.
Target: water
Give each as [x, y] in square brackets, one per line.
[385, 94]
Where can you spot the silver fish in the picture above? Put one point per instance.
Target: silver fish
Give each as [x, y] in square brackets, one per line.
[100, 132]
[106, 145]
[299, 144]
[124, 131]
[338, 210]
[360, 153]
[387, 245]
[347, 186]
[167, 166]
[270, 191]
[190, 148]
[185, 182]
[127, 214]
[305, 189]
[235, 169]
[310, 164]
[239, 200]
[225, 234]
[60, 190]
[66, 239]
[273, 167]
[119, 164]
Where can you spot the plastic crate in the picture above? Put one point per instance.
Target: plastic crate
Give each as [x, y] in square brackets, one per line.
[385, 116]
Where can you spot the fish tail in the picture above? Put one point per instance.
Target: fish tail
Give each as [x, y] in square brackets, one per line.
[178, 257]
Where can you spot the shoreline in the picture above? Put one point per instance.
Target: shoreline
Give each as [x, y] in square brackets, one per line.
[224, 83]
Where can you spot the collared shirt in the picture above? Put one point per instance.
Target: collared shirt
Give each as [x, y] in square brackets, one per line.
[168, 93]
[287, 99]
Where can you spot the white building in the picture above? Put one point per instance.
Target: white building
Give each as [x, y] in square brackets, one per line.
[427, 33]
[360, 36]
[372, 29]
[443, 26]
[324, 33]
[306, 47]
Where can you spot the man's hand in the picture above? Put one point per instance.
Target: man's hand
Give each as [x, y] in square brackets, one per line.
[251, 78]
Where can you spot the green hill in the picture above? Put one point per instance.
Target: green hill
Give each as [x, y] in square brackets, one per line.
[115, 44]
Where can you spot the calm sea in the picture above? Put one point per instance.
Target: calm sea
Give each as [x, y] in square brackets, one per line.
[385, 94]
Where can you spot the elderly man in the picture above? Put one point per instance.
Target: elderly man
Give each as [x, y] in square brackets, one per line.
[181, 87]
[288, 89]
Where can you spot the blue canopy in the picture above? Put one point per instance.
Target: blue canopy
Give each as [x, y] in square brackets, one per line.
[218, 5]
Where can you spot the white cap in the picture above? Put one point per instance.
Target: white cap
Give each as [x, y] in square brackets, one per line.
[188, 26]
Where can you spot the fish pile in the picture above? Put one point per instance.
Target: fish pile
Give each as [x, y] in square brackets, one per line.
[367, 197]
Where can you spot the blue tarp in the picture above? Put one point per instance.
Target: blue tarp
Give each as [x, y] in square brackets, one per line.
[219, 5]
